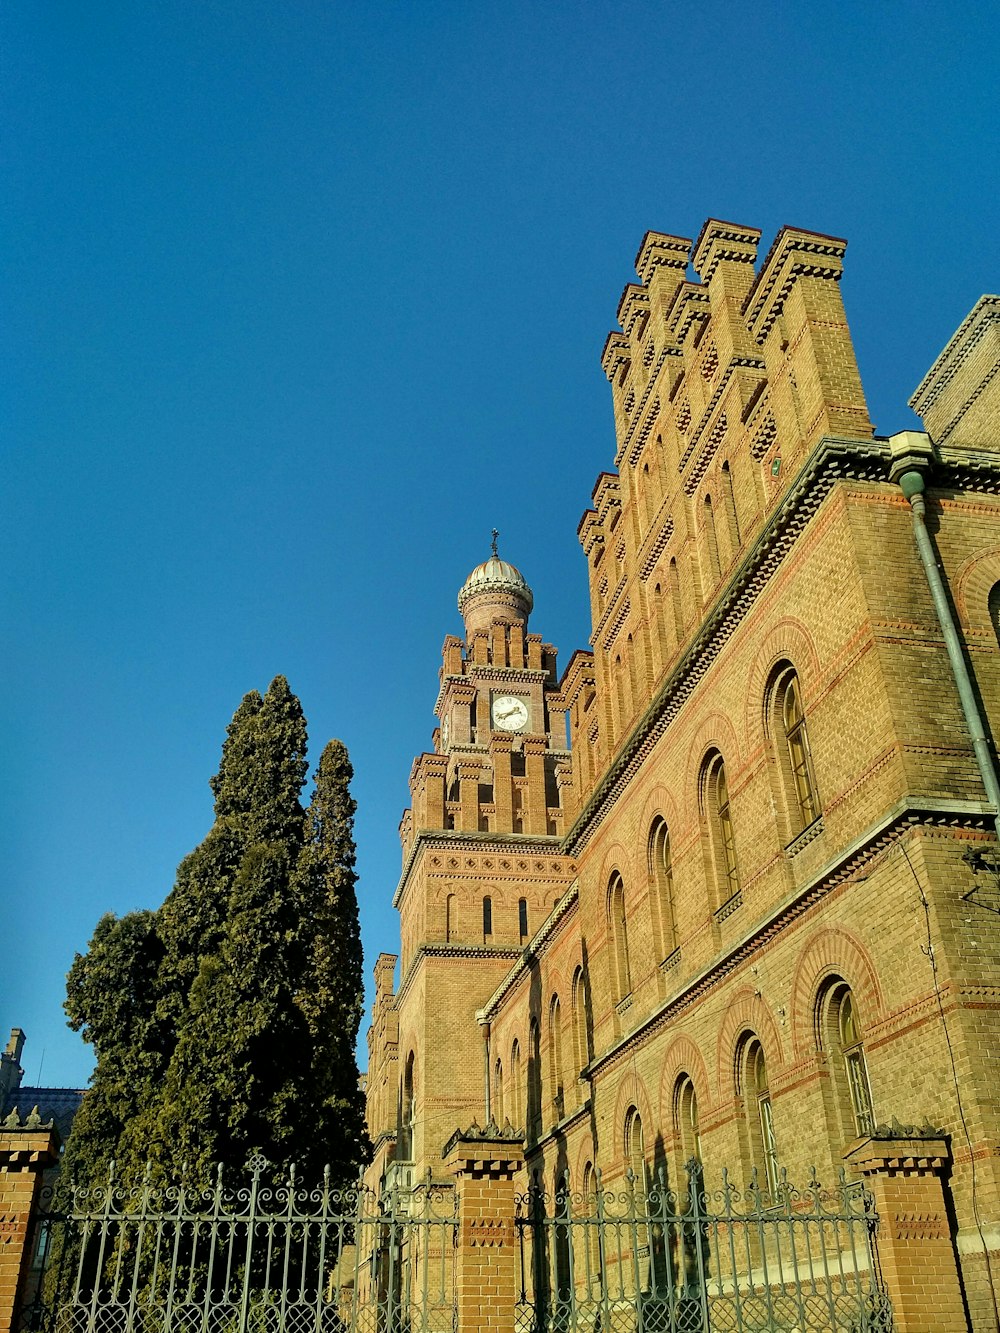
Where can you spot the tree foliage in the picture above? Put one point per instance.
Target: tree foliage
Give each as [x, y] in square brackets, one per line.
[225, 1022]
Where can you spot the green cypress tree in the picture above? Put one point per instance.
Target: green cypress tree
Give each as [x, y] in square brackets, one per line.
[226, 1056]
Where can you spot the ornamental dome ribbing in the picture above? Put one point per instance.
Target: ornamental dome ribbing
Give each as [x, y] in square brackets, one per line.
[495, 591]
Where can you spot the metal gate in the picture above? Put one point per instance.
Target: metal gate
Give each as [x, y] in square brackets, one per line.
[259, 1258]
[644, 1259]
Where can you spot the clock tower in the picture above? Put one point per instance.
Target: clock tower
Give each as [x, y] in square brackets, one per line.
[482, 867]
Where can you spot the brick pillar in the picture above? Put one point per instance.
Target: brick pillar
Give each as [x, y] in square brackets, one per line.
[903, 1168]
[25, 1151]
[484, 1163]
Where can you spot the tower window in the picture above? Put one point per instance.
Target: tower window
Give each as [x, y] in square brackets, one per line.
[487, 918]
[522, 918]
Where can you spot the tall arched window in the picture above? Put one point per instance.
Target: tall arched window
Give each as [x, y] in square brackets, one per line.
[993, 606]
[407, 1112]
[788, 725]
[618, 931]
[635, 1148]
[555, 1060]
[516, 1111]
[522, 918]
[487, 919]
[687, 1129]
[759, 1116]
[729, 495]
[843, 1037]
[661, 878]
[676, 605]
[582, 1020]
[592, 1241]
[714, 570]
[534, 1088]
[450, 923]
[718, 815]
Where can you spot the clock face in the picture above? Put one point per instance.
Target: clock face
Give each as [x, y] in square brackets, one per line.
[509, 712]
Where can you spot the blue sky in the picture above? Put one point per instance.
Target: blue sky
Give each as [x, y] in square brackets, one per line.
[304, 298]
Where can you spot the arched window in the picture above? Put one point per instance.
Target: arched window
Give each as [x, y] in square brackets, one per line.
[661, 878]
[516, 1111]
[635, 1148]
[718, 815]
[407, 1112]
[498, 1106]
[487, 919]
[714, 569]
[788, 726]
[729, 495]
[843, 1037]
[450, 922]
[534, 1088]
[582, 1020]
[592, 1240]
[622, 981]
[555, 1060]
[676, 605]
[687, 1129]
[522, 918]
[993, 606]
[759, 1117]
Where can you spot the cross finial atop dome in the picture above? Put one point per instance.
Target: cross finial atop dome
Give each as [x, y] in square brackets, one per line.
[493, 544]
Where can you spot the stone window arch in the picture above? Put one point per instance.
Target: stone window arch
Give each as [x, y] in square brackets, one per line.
[687, 1124]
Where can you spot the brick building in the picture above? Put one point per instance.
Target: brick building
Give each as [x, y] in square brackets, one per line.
[727, 887]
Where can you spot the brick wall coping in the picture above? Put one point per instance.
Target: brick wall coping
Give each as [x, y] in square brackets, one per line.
[896, 1150]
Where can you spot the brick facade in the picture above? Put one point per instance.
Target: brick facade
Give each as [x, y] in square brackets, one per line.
[741, 873]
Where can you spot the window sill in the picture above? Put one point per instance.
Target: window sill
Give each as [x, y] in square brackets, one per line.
[803, 839]
[729, 907]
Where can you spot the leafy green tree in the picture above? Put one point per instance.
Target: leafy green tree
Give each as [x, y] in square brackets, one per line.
[225, 1022]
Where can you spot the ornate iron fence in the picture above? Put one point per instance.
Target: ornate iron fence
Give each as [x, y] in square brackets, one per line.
[261, 1258]
[644, 1259]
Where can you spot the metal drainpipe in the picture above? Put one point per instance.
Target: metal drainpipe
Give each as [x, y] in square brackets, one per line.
[912, 454]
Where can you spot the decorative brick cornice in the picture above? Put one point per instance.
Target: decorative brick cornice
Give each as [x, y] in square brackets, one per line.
[723, 241]
[517, 847]
[656, 549]
[658, 250]
[983, 316]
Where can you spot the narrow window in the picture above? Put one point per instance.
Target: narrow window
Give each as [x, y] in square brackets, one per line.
[797, 744]
[555, 1060]
[487, 919]
[662, 887]
[717, 813]
[686, 1126]
[450, 925]
[730, 498]
[676, 606]
[582, 1045]
[535, 1094]
[497, 1108]
[712, 543]
[760, 1119]
[852, 1052]
[993, 606]
[619, 937]
[635, 1153]
[522, 918]
[516, 1087]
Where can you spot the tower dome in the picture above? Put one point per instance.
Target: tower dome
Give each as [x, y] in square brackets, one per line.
[495, 591]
